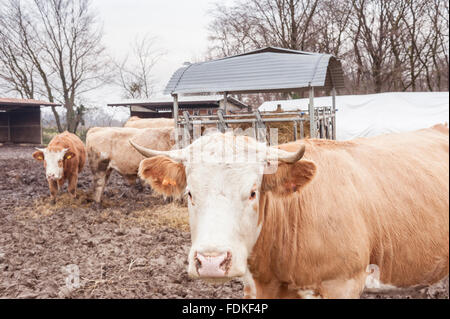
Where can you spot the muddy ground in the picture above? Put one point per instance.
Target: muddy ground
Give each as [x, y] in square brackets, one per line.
[136, 247]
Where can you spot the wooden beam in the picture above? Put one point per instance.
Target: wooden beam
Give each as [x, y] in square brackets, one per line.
[222, 125]
[312, 121]
[333, 111]
[225, 102]
[175, 118]
[186, 129]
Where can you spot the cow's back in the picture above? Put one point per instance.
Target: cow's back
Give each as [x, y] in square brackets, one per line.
[381, 201]
[112, 144]
[149, 123]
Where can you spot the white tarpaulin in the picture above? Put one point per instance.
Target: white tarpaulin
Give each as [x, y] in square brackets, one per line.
[375, 114]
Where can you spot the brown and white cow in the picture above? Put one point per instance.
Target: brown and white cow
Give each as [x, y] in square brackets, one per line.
[316, 225]
[63, 158]
[108, 149]
[137, 122]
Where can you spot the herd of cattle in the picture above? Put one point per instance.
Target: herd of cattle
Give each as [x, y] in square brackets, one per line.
[308, 219]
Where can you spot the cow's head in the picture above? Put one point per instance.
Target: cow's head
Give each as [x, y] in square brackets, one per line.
[225, 178]
[53, 161]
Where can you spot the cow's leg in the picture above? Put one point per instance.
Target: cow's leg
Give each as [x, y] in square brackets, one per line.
[100, 179]
[60, 185]
[53, 186]
[344, 288]
[249, 286]
[272, 289]
[73, 181]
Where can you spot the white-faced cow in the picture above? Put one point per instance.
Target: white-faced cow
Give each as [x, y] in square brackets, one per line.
[108, 149]
[63, 158]
[315, 226]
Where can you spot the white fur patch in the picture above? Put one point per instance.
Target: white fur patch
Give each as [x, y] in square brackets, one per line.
[53, 171]
[308, 294]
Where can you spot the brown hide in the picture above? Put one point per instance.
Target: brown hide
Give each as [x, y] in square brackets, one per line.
[381, 200]
[75, 157]
[73, 162]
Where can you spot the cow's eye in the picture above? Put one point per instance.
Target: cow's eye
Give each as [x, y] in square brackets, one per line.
[190, 195]
[253, 195]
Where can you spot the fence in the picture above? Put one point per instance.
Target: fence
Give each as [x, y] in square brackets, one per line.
[324, 123]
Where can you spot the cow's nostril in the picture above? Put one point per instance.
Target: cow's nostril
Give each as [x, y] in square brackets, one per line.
[213, 264]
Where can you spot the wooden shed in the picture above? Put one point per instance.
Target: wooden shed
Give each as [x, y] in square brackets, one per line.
[194, 105]
[20, 120]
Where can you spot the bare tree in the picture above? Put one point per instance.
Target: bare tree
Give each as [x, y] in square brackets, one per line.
[135, 71]
[53, 50]
[399, 45]
[252, 24]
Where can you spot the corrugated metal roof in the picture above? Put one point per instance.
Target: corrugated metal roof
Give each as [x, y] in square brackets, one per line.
[268, 69]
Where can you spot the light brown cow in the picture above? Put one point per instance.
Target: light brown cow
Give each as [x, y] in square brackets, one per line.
[108, 149]
[315, 227]
[63, 159]
[137, 122]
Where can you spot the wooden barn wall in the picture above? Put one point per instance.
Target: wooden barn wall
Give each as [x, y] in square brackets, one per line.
[21, 126]
[146, 115]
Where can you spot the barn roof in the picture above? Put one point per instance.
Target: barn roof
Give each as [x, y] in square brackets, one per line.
[265, 70]
[25, 102]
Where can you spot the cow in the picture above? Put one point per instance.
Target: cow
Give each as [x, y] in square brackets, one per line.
[109, 150]
[313, 218]
[64, 159]
[137, 122]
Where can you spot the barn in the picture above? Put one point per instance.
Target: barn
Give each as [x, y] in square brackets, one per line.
[266, 70]
[194, 105]
[20, 120]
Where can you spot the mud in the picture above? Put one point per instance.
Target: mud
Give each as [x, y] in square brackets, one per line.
[136, 247]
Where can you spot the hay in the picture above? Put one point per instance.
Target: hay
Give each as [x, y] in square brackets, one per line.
[285, 129]
[171, 215]
[42, 207]
[156, 216]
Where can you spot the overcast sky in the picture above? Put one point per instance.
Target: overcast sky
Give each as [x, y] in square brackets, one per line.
[180, 27]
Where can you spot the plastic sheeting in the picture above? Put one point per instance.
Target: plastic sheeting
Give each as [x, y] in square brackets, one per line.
[375, 114]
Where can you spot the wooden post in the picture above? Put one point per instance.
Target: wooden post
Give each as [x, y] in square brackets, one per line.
[225, 103]
[302, 130]
[186, 129]
[295, 130]
[9, 126]
[222, 125]
[333, 112]
[175, 117]
[312, 121]
[40, 122]
[260, 127]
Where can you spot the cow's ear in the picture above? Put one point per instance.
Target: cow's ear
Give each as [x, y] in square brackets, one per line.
[38, 155]
[68, 155]
[164, 175]
[289, 177]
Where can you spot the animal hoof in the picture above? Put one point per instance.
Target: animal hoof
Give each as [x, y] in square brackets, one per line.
[53, 202]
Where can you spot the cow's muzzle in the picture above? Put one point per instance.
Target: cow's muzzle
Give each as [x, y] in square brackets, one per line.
[210, 265]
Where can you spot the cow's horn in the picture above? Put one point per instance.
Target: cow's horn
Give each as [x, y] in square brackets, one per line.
[287, 157]
[176, 155]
